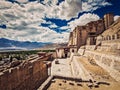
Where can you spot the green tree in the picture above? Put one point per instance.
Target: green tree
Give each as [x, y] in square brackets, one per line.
[0, 58]
[11, 59]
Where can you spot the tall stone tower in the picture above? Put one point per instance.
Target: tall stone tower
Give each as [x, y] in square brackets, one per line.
[70, 39]
[108, 19]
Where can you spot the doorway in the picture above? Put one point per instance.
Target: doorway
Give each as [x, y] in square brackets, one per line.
[65, 55]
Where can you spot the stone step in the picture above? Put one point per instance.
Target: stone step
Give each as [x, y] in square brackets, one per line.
[78, 70]
[115, 45]
[108, 49]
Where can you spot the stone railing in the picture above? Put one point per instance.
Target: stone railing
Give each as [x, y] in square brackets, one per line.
[109, 43]
[113, 37]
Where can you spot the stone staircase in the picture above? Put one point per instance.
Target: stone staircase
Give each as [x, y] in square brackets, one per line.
[107, 56]
[110, 47]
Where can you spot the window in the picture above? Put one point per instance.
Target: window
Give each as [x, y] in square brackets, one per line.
[113, 37]
[72, 50]
[118, 36]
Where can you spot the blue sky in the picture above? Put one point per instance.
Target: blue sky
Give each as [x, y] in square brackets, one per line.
[50, 20]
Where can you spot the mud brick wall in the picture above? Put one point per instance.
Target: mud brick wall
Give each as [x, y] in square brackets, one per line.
[27, 76]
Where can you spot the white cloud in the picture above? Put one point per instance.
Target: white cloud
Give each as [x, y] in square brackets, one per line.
[22, 1]
[50, 2]
[92, 5]
[53, 26]
[5, 5]
[69, 9]
[41, 34]
[63, 10]
[84, 19]
[65, 27]
[116, 17]
[23, 21]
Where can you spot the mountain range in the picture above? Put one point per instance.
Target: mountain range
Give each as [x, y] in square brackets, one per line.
[6, 44]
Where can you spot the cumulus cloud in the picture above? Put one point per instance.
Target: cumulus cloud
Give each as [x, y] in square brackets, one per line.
[22, 1]
[37, 34]
[24, 20]
[65, 27]
[69, 9]
[53, 26]
[4, 4]
[50, 2]
[116, 17]
[84, 19]
[91, 5]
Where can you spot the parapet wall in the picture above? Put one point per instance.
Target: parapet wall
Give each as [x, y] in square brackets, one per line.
[27, 76]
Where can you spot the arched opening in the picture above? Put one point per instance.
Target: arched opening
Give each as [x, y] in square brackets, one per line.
[110, 38]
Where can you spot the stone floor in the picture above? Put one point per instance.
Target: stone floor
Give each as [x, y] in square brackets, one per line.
[62, 68]
[62, 84]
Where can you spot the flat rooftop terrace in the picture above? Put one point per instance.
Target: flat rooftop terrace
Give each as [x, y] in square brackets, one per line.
[68, 83]
[62, 78]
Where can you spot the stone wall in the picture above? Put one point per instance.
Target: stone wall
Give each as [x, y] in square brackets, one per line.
[70, 39]
[109, 43]
[109, 62]
[80, 34]
[65, 52]
[106, 53]
[27, 76]
[78, 70]
[60, 53]
[108, 19]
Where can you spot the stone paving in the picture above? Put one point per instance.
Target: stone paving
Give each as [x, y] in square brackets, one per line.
[62, 68]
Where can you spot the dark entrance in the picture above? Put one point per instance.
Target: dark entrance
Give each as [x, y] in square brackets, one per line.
[65, 55]
[66, 50]
[72, 50]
